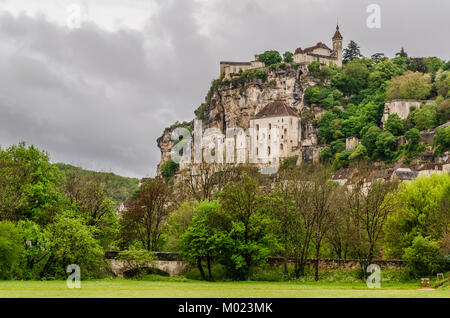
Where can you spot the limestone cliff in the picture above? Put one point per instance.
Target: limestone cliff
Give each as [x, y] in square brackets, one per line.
[232, 102]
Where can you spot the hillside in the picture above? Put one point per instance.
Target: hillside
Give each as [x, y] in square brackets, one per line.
[117, 188]
[336, 105]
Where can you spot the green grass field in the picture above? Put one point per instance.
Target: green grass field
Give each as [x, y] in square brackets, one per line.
[193, 289]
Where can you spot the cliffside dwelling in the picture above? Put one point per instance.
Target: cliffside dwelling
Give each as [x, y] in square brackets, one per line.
[319, 52]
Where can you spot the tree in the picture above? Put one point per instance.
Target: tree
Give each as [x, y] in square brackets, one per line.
[177, 224]
[369, 139]
[411, 85]
[72, 242]
[322, 198]
[11, 250]
[204, 237]
[288, 57]
[270, 57]
[442, 140]
[402, 53]
[423, 118]
[421, 208]
[386, 146]
[423, 257]
[145, 218]
[377, 57]
[370, 202]
[30, 186]
[352, 52]
[87, 194]
[245, 206]
[394, 125]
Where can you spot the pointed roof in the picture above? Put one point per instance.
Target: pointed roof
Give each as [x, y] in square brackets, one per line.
[337, 35]
[276, 109]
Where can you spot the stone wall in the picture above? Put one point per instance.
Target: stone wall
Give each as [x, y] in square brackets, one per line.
[344, 264]
[401, 107]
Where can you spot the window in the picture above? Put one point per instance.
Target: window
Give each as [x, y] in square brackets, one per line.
[281, 146]
[257, 127]
[270, 126]
[268, 150]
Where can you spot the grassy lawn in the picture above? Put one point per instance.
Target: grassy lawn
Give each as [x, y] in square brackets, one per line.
[191, 289]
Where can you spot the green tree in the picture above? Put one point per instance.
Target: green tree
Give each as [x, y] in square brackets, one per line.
[386, 145]
[421, 209]
[442, 140]
[245, 206]
[270, 57]
[402, 53]
[72, 242]
[352, 52]
[370, 138]
[423, 257]
[411, 85]
[394, 125]
[204, 237]
[177, 224]
[11, 250]
[30, 186]
[288, 57]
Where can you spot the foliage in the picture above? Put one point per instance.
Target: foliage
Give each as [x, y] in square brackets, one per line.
[411, 85]
[72, 242]
[423, 257]
[288, 57]
[11, 250]
[248, 228]
[442, 140]
[352, 52]
[117, 188]
[270, 57]
[169, 169]
[423, 118]
[144, 219]
[289, 163]
[421, 209]
[394, 125]
[177, 224]
[30, 186]
[136, 259]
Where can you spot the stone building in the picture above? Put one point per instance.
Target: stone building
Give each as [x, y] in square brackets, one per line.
[277, 131]
[319, 52]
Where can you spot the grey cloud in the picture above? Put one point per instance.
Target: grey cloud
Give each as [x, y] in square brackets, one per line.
[101, 99]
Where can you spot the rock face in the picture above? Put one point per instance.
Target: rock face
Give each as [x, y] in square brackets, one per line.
[232, 103]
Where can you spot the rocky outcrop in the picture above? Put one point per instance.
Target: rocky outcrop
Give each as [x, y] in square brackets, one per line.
[231, 103]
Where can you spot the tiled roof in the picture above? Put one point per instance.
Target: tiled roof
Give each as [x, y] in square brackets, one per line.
[298, 51]
[275, 109]
[319, 45]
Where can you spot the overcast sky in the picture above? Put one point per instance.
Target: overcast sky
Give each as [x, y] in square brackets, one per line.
[99, 96]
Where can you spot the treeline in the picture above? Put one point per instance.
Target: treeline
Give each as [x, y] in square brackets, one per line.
[51, 218]
[238, 218]
[117, 188]
[225, 215]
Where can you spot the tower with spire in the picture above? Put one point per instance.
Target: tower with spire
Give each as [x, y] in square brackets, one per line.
[337, 46]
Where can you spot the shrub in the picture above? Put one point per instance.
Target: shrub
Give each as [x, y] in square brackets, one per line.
[423, 257]
[394, 125]
[169, 169]
[442, 140]
[270, 57]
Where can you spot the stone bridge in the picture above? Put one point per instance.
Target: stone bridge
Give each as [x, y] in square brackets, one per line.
[170, 263]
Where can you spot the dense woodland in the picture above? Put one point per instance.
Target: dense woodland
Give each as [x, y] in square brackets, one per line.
[55, 215]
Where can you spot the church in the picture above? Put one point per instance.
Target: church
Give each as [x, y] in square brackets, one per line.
[319, 52]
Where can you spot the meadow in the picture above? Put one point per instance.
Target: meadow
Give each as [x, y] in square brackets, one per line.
[184, 288]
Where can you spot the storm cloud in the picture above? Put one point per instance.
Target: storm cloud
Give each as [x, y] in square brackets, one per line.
[100, 95]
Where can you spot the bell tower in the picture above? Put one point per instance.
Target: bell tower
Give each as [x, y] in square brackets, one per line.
[337, 46]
